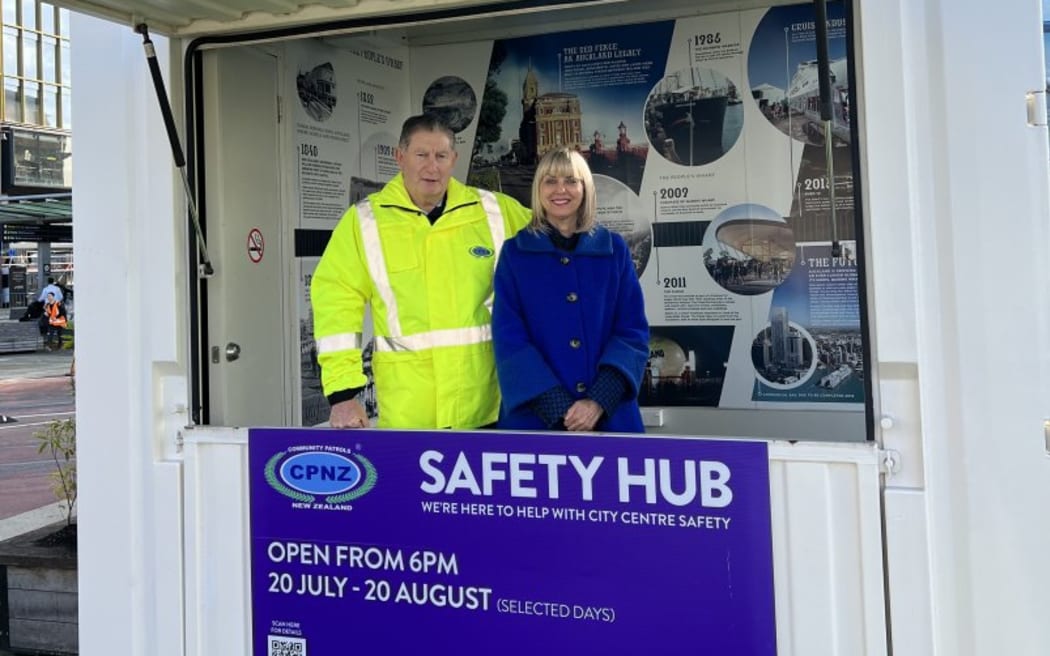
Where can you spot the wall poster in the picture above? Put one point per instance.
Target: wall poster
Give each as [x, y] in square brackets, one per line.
[346, 119]
[706, 142]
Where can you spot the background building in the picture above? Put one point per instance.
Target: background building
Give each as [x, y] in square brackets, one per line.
[36, 217]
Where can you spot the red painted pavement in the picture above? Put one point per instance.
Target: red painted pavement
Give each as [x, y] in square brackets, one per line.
[25, 482]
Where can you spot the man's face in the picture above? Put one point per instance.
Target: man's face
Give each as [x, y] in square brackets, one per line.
[427, 166]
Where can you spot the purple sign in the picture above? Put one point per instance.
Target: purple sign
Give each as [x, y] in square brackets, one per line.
[390, 542]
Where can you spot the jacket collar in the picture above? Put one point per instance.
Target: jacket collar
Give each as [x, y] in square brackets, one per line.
[596, 242]
[394, 194]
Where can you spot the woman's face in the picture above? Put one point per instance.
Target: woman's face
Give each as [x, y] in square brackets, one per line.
[561, 197]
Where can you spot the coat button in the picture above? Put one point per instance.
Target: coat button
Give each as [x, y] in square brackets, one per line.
[575, 343]
[564, 259]
[571, 297]
[581, 388]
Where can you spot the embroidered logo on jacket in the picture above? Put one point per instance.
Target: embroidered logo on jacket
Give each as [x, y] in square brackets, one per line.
[481, 251]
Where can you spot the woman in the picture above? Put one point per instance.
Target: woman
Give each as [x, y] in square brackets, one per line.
[568, 322]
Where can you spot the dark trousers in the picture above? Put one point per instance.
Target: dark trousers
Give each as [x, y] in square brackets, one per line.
[54, 335]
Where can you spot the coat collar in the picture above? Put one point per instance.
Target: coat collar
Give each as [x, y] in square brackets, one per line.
[394, 194]
[596, 242]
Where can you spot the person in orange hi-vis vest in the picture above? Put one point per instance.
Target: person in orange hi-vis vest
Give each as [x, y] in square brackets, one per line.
[56, 321]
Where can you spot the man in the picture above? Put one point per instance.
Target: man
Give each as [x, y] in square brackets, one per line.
[50, 288]
[421, 252]
[50, 291]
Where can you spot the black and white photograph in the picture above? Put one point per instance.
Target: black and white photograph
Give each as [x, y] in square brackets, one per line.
[453, 100]
[316, 89]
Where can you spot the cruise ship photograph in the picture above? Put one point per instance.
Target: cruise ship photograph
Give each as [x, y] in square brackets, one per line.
[782, 70]
[693, 117]
[803, 104]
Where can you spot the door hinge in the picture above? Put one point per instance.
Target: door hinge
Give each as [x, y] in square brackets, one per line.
[1035, 104]
[889, 461]
[280, 116]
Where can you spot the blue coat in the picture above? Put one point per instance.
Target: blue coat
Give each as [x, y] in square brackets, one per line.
[560, 315]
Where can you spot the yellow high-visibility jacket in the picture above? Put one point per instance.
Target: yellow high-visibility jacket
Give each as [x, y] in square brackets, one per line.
[430, 291]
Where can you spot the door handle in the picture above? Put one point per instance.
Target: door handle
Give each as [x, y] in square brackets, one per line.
[233, 351]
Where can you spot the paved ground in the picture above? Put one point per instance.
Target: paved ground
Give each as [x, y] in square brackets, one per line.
[34, 390]
[36, 364]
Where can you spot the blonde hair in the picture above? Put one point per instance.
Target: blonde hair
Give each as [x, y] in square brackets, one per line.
[562, 162]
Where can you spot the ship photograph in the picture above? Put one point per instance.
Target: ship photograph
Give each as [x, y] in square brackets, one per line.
[803, 102]
[785, 82]
[832, 380]
[693, 116]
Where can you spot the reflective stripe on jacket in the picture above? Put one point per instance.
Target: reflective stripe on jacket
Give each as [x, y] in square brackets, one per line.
[430, 292]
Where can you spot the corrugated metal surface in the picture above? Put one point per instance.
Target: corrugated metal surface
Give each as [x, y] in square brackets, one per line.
[827, 546]
[827, 549]
[499, 18]
[199, 17]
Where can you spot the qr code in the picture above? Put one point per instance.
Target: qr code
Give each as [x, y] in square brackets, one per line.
[285, 646]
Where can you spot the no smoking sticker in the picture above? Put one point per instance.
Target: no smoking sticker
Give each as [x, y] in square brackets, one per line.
[255, 245]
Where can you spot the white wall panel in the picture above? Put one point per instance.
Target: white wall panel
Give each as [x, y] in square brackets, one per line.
[827, 549]
[130, 291]
[962, 311]
[908, 573]
[218, 594]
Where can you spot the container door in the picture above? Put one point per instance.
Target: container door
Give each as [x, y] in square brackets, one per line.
[246, 304]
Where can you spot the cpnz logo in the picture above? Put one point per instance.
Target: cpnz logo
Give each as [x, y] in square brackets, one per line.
[334, 474]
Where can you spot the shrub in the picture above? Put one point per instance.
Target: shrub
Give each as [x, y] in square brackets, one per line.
[60, 440]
